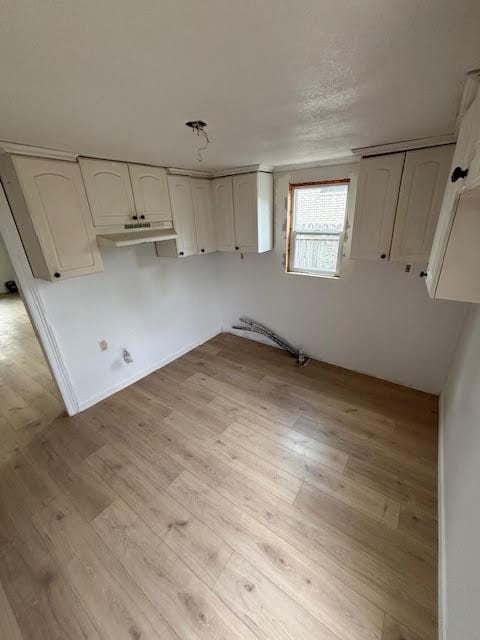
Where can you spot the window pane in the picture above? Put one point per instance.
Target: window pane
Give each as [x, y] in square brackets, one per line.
[320, 209]
[316, 253]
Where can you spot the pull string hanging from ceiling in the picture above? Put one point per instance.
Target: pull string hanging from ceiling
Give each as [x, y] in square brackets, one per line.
[198, 127]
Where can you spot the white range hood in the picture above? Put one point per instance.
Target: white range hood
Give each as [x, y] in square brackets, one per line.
[133, 237]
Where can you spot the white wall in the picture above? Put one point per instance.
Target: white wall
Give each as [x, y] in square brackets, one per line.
[155, 307]
[375, 318]
[6, 269]
[460, 489]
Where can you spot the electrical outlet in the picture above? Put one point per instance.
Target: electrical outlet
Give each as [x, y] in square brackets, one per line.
[103, 344]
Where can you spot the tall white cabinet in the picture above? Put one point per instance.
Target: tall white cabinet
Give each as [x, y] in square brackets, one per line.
[193, 220]
[376, 204]
[398, 203]
[454, 265]
[50, 208]
[222, 192]
[243, 206]
[424, 178]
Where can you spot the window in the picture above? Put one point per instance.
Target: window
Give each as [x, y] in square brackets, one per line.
[316, 227]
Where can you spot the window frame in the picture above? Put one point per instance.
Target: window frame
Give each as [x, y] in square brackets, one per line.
[291, 233]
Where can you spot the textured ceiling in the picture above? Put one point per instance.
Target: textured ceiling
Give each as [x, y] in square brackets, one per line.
[277, 81]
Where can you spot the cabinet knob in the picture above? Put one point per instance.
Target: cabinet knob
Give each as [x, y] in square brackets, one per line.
[383, 256]
[56, 274]
[423, 274]
[202, 250]
[142, 217]
[180, 253]
[237, 248]
[134, 217]
[458, 173]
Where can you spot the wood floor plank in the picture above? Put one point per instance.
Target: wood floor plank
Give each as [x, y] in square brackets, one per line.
[392, 630]
[303, 467]
[9, 628]
[116, 604]
[265, 608]
[142, 489]
[191, 609]
[401, 552]
[331, 602]
[343, 556]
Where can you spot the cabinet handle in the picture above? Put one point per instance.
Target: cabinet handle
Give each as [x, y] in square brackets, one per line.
[134, 217]
[56, 274]
[142, 217]
[423, 274]
[383, 256]
[180, 253]
[237, 248]
[458, 173]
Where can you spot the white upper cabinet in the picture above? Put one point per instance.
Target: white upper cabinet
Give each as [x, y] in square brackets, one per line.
[51, 211]
[183, 216]
[109, 192]
[376, 204]
[243, 206]
[150, 192]
[223, 210]
[245, 210]
[204, 217]
[459, 278]
[423, 183]
[454, 265]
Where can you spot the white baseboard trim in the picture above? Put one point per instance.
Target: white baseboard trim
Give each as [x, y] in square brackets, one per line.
[85, 404]
[442, 570]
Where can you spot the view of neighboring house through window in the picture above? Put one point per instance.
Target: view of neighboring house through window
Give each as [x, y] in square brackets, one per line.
[317, 226]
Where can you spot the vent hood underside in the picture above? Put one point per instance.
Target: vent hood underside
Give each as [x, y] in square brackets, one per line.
[130, 238]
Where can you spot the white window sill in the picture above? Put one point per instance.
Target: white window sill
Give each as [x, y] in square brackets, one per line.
[328, 276]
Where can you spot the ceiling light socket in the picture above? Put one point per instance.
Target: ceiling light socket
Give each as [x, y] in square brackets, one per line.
[196, 125]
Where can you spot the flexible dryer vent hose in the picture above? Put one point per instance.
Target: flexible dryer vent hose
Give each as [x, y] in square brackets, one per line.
[258, 327]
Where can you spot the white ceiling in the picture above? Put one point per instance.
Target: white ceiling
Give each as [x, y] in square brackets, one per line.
[278, 81]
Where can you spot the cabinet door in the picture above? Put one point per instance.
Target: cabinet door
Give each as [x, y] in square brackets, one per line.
[58, 207]
[150, 192]
[245, 211]
[222, 193]
[109, 192]
[423, 183]
[459, 278]
[462, 157]
[203, 210]
[376, 203]
[183, 215]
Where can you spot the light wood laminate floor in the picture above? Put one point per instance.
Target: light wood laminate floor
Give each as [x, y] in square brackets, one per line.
[230, 495]
[29, 398]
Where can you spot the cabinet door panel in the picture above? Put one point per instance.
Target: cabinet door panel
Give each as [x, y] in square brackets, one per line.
[150, 192]
[222, 192]
[183, 214]
[377, 195]
[109, 191]
[462, 157]
[459, 277]
[245, 211]
[204, 219]
[58, 207]
[423, 183]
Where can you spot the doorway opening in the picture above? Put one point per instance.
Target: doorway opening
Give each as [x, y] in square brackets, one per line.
[29, 397]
